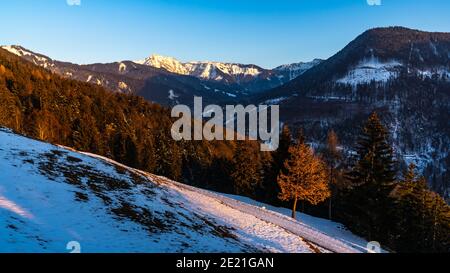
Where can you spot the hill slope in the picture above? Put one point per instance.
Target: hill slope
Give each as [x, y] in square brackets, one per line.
[51, 195]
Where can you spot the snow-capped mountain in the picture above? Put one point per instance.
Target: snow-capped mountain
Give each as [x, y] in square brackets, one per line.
[168, 63]
[246, 78]
[53, 198]
[402, 74]
[204, 70]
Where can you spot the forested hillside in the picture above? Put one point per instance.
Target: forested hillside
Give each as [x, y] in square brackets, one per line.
[87, 117]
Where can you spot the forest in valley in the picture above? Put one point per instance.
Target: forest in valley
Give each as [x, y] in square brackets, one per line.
[368, 192]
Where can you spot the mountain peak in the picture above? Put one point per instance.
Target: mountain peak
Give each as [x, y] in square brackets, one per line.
[168, 63]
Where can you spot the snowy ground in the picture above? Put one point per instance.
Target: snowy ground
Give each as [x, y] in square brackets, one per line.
[51, 195]
[312, 224]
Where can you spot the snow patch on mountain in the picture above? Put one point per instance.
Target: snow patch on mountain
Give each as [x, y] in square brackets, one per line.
[122, 67]
[22, 52]
[275, 101]
[17, 50]
[369, 70]
[124, 87]
[172, 95]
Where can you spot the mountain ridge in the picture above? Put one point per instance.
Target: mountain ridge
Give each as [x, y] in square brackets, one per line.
[218, 80]
[399, 43]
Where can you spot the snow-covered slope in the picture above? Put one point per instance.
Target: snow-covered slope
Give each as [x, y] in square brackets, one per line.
[51, 195]
[35, 58]
[372, 70]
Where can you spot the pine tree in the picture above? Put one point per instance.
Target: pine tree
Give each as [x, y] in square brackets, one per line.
[410, 175]
[246, 173]
[168, 156]
[282, 153]
[409, 208]
[300, 137]
[332, 157]
[124, 150]
[422, 218]
[304, 178]
[372, 178]
[270, 186]
[219, 173]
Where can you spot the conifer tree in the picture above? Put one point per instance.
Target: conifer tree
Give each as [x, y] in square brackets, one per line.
[282, 153]
[422, 218]
[372, 178]
[304, 178]
[271, 189]
[246, 172]
[168, 156]
[332, 157]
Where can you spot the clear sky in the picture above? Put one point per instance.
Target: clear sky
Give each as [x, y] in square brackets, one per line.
[263, 32]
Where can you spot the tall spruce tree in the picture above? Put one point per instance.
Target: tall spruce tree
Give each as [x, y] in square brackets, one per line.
[332, 157]
[408, 211]
[270, 186]
[168, 156]
[282, 153]
[246, 169]
[422, 218]
[372, 178]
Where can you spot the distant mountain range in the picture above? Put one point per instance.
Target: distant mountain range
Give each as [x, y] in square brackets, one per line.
[244, 78]
[167, 81]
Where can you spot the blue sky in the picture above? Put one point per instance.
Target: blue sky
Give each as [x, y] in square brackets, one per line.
[263, 32]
